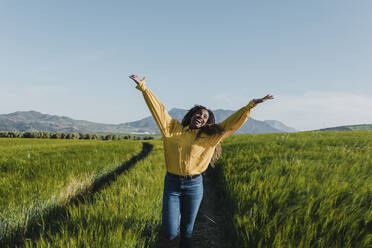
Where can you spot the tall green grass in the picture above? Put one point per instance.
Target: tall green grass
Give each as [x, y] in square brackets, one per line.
[32, 170]
[309, 189]
[125, 214]
[280, 190]
[60, 172]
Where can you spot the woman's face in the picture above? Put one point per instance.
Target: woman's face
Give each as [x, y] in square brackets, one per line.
[199, 119]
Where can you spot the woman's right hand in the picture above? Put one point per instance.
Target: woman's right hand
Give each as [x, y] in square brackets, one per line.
[137, 79]
[263, 99]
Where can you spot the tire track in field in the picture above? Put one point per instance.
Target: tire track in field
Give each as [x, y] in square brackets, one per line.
[109, 177]
[46, 217]
[210, 222]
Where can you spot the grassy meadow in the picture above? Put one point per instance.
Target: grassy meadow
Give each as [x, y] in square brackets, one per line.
[125, 214]
[38, 175]
[311, 189]
[34, 169]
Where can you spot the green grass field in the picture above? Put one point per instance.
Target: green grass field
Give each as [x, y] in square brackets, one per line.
[34, 169]
[125, 214]
[38, 175]
[311, 189]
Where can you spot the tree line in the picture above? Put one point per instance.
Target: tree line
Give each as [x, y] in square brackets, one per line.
[87, 136]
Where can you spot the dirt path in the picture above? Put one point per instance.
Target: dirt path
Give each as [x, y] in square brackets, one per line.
[209, 224]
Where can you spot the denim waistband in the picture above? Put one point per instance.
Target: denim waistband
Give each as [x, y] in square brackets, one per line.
[183, 176]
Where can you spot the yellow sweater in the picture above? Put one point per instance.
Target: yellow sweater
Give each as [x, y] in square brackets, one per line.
[184, 154]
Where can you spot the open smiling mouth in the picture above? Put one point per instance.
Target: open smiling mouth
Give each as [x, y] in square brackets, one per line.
[198, 121]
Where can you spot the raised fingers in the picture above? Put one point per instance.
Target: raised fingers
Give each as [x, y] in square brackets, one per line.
[268, 96]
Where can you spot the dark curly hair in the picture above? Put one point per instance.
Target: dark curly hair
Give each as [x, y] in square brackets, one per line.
[210, 128]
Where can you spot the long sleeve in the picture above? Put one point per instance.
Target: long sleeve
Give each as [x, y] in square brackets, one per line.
[158, 111]
[236, 120]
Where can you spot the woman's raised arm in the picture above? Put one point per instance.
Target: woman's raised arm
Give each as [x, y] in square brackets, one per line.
[236, 120]
[157, 109]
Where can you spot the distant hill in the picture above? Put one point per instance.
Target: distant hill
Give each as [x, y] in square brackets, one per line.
[24, 121]
[348, 128]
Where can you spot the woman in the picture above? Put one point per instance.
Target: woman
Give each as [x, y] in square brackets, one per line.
[188, 149]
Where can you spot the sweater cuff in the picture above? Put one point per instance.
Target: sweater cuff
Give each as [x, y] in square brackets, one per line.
[251, 104]
[141, 86]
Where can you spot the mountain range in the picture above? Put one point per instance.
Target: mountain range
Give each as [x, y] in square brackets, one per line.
[26, 121]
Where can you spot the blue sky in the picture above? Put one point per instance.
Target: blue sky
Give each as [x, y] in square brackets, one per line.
[73, 58]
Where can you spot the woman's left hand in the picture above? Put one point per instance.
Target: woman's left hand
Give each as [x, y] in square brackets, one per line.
[265, 98]
[137, 79]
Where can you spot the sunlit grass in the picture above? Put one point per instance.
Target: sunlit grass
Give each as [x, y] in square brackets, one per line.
[60, 171]
[125, 214]
[35, 169]
[309, 189]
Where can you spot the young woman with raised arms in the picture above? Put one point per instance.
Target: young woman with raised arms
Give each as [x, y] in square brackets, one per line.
[188, 149]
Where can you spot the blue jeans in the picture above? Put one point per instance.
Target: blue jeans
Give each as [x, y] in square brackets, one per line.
[181, 201]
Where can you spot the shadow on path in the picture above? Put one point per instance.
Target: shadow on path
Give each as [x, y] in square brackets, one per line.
[48, 217]
[209, 230]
